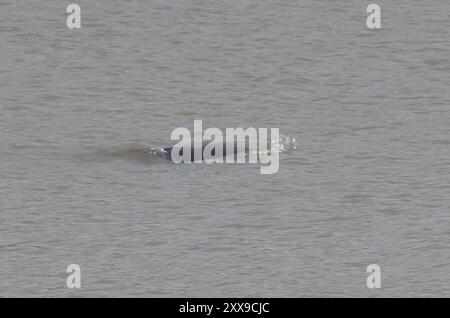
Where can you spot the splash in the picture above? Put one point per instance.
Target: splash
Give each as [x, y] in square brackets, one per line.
[284, 144]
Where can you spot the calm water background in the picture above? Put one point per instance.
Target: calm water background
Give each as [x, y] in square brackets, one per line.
[369, 182]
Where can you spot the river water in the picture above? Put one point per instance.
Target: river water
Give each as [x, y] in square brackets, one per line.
[368, 183]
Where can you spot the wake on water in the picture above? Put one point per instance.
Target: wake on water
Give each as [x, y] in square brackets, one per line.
[148, 152]
[284, 144]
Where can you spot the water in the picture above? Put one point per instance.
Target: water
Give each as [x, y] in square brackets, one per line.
[368, 183]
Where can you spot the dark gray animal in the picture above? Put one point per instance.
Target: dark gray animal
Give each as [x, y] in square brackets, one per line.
[168, 152]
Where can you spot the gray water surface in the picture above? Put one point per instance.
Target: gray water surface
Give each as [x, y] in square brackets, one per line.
[368, 183]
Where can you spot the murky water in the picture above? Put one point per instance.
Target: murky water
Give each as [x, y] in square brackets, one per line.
[369, 182]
